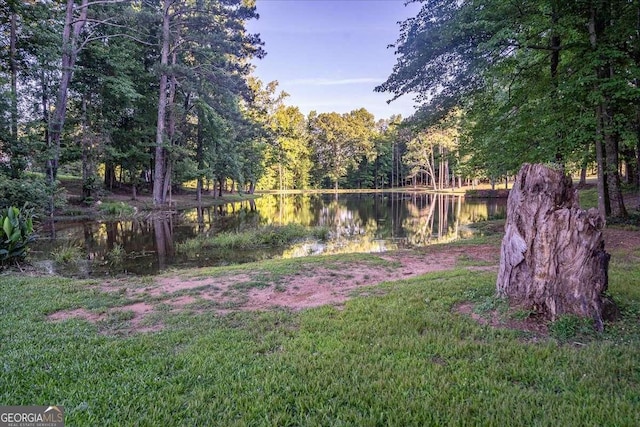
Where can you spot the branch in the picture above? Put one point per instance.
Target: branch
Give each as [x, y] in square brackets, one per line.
[110, 24]
[101, 2]
[128, 36]
[533, 46]
[96, 21]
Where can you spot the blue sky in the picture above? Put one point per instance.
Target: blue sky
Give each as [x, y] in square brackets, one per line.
[330, 54]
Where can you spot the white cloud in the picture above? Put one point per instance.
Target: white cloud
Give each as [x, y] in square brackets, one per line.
[333, 82]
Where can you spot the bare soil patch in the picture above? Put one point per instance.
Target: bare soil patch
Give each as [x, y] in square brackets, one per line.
[78, 313]
[533, 324]
[313, 287]
[619, 240]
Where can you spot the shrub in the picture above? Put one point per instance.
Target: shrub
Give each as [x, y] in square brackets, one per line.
[119, 209]
[16, 234]
[21, 192]
[270, 235]
[115, 256]
[69, 253]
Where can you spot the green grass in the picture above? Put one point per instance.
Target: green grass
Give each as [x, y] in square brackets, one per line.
[274, 270]
[116, 209]
[270, 235]
[588, 198]
[403, 357]
[69, 253]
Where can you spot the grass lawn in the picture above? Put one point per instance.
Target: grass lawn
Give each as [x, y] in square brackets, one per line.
[403, 357]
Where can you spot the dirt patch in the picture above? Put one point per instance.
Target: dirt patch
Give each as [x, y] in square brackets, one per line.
[136, 323]
[495, 319]
[617, 239]
[138, 309]
[78, 313]
[313, 287]
[321, 287]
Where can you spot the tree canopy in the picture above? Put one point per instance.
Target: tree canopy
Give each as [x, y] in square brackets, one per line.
[150, 96]
[537, 81]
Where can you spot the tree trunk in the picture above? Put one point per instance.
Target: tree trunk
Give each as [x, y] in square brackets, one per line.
[552, 257]
[636, 178]
[603, 206]
[159, 195]
[88, 181]
[614, 188]
[72, 28]
[200, 153]
[17, 160]
[109, 174]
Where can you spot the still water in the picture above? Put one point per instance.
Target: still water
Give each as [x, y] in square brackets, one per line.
[357, 223]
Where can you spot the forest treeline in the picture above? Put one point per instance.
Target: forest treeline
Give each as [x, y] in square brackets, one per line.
[149, 95]
[547, 81]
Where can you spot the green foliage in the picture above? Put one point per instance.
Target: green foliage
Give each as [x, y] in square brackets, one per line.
[31, 191]
[538, 81]
[115, 255]
[270, 235]
[117, 209]
[287, 159]
[15, 235]
[340, 141]
[570, 327]
[69, 253]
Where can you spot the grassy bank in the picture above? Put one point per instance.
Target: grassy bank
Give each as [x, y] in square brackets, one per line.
[119, 204]
[268, 235]
[404, 357]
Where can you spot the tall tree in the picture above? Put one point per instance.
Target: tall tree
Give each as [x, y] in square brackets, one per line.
[429, 153]
[340, 140]
[524, 72]
[204, 42]
[75, 19]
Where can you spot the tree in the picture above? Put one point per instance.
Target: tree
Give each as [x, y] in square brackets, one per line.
[113, 90]
[429, 153]
[340, 140]
[205, 42]
[289, 154]
[552, 256]
[526, 73]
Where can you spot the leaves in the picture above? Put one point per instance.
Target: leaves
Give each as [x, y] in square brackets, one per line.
[528, 75]
[17, 233]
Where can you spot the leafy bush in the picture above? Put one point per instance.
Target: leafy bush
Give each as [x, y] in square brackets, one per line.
[21, 192]
[270, 235]
[69, 253]
[16, 234]
[116, 255]
[119, 209]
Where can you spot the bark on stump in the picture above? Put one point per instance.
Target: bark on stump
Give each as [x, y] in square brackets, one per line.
[552, 257]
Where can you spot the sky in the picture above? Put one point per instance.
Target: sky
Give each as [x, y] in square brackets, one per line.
[329, 55]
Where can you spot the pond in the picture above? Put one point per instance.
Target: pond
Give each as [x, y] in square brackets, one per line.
[358, 222]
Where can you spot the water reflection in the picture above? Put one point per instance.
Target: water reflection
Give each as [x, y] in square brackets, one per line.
[358, 223]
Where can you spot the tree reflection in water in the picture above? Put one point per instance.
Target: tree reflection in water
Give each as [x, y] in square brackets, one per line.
[357, 222]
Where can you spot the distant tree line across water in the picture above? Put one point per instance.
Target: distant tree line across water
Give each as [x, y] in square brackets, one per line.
[149, 95]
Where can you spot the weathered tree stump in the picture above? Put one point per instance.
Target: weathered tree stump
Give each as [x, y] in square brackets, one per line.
[552, 258]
